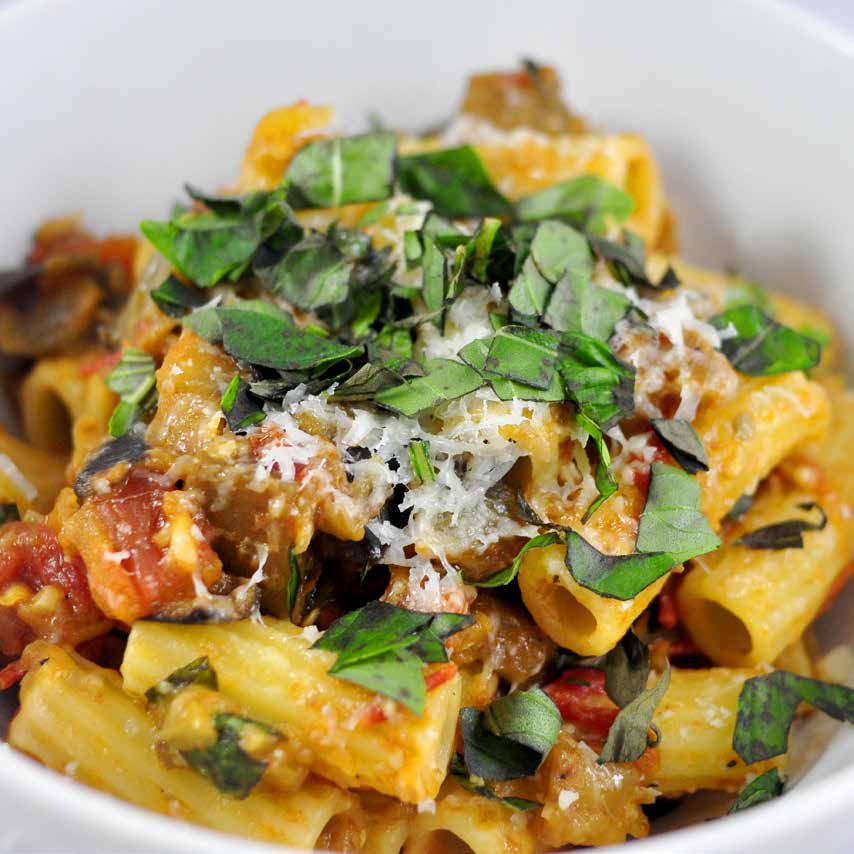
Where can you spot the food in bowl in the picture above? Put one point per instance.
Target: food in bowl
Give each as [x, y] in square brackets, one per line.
[413, 493]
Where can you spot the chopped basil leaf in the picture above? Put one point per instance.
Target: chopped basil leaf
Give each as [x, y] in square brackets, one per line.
[488, 254]
[444, 380]
[419, 459]
[241, 411]
[606, 484]
[784, 535]
[672, 529]
[329, 173]
[218, 243]
[128, 447]
[682, 442]
[198, 672]
[530, 292]
[506, 575]
[601, 386]
[472, 784]
[434, 276]
[9, 513]
[475, 354]
[313, 273]
[555, 251]
[579, 305]
[614, 576]
[274, 341]
[231, 769]
[175, 298]
[366, 383]
[512, 737]
[455, 181]
[762, 347]
[585, 201]
[628, 737]
[745, 292]
[627, 262]
[767, 705]
[133, 380]
[744, 503]
[524, 355]
[763, 788]
[627, 669]
[383, 647]
[672, 520]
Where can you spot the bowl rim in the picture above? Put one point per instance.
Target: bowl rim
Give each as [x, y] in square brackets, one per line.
[78, 803]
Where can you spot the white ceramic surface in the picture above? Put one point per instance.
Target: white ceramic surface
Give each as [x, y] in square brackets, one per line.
[109, 106]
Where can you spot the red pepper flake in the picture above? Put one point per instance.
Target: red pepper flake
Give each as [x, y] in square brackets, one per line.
[668, 613]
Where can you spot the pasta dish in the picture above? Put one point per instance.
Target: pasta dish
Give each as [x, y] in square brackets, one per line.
[412, 494]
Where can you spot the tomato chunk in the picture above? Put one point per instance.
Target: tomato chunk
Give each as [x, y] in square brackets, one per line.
[580, 697]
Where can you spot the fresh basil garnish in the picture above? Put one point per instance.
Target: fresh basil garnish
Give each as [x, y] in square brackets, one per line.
[628, 737]
[614, 576]
[761, 789]
[133, 380]
[274, 341]
[523, 355]
[784, 535]
[680, 439]
[475, 354]
[240, 408]
[585, 201]
[627, 669]
[767, 705]
[455, 181]
[512, 737]
[462, 776]
[672, 520]
[443, 380]
[506, 575]
[419, 459]
[175, 298]
[606, 484]
[627, 262]
[599, 384]
[328, 173]
[741, 506]
[556, 250]
[383, 648]
[197, 672]
[231, 769]
[578, 305]
[672, 529]
[762, 347]
[218, 243]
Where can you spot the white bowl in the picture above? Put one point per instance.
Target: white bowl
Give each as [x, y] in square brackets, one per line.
[108, 107]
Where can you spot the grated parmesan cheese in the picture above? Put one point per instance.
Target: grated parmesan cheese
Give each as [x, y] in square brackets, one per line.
[567, 798]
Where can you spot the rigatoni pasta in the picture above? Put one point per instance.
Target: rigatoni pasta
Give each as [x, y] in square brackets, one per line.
[413, 494]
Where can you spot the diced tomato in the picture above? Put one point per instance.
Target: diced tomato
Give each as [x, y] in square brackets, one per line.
[102, 364]
[580, 696]
[139, 581]
[668, 614]
[440, 675]
[30, 553]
